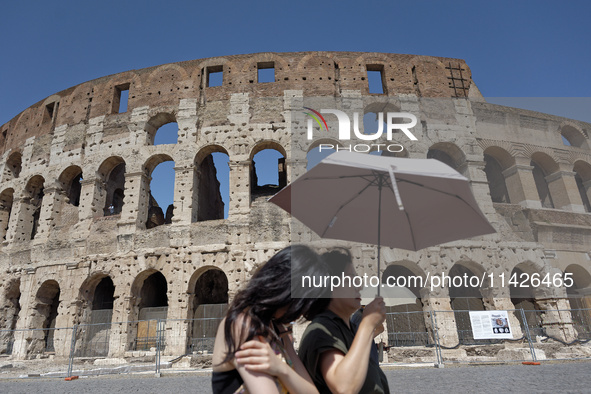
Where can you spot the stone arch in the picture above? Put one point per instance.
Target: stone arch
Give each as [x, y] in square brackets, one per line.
[319, 149]
[574, 136]
[9, 314]
[156, 122]
[406, 322]
[448, 153]
[44, 314]
[496, 161]
[265, 190]
[13, 166]
[6, 202]
[69, 181]
[112, 188]
[207, 195]
[543, 166]
[155, 214]
[582, 171]
[208, 288]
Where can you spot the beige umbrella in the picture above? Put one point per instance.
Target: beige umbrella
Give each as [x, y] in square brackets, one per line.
[393, 296]
[397, 202]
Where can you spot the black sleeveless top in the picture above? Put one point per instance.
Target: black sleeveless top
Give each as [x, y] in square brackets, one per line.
[226, 382]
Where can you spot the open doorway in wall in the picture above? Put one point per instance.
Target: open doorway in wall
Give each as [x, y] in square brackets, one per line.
[268, 172]
[213, 179]
[162, 129]
[9, 315]
[152, 307]
[209, 308]
[43, 318]
[112, 174]
[99, 299]
[160, 191]
[463, 299]
[523, 297]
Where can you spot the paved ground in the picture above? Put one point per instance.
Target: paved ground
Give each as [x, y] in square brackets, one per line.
[572, 377]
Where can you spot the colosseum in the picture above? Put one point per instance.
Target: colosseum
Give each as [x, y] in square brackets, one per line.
[85, 242]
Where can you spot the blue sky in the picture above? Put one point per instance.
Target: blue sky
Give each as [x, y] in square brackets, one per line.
[514, 48]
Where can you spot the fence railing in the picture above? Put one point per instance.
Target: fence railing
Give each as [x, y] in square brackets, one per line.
[437, 337]
[447, 336]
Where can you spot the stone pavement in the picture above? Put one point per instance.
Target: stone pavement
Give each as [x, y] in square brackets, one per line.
[572, 377]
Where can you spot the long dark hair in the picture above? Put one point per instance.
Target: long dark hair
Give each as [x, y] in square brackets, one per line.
[269, 290]
[336, 262]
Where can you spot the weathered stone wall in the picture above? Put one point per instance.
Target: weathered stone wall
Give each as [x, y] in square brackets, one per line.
[79, 131]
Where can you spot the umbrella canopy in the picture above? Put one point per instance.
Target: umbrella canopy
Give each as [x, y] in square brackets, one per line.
[397, 202]
[393, 296]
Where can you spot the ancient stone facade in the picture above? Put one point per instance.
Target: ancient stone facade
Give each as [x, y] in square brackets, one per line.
[81, 232]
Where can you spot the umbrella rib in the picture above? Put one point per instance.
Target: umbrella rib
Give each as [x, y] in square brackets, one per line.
[442, 192]
[343, 206]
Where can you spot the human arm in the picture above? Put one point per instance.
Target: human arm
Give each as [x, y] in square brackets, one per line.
[258, 356]
[346, 373]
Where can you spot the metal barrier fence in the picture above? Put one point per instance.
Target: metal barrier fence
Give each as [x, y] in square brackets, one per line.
[436, 337]
[447, 337]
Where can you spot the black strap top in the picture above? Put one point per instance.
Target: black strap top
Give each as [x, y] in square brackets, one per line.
[226, 382]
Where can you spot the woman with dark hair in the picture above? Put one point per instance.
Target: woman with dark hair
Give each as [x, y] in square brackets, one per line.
[335, 354]
[254, 337]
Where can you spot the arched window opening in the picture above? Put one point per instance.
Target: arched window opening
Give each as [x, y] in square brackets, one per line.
[45, 312]
[161, 195]
[268, 173]
[153, 306]
[32, 204]
[573, 137]
[214, 187]
[579, 296]
[103, 295]
[13, 166]
[167, 134]
[442, 157]
[71, 188]
[162, 129]
[75, 188]
[464, 298]
[496, 180]
[542, 185]
[317, 154]
[522, 297]
[405, 322]
[10, 314]
[209, 308]
[6, 201]
[153, 292]
[114, 187]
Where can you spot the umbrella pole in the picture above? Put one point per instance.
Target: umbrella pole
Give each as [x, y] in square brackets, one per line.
[380, 181]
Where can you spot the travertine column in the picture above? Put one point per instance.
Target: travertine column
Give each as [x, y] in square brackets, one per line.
[564, 191]
[521, 186]
[239, 188]
[135, 206]
[184, 205]
[91, 196]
